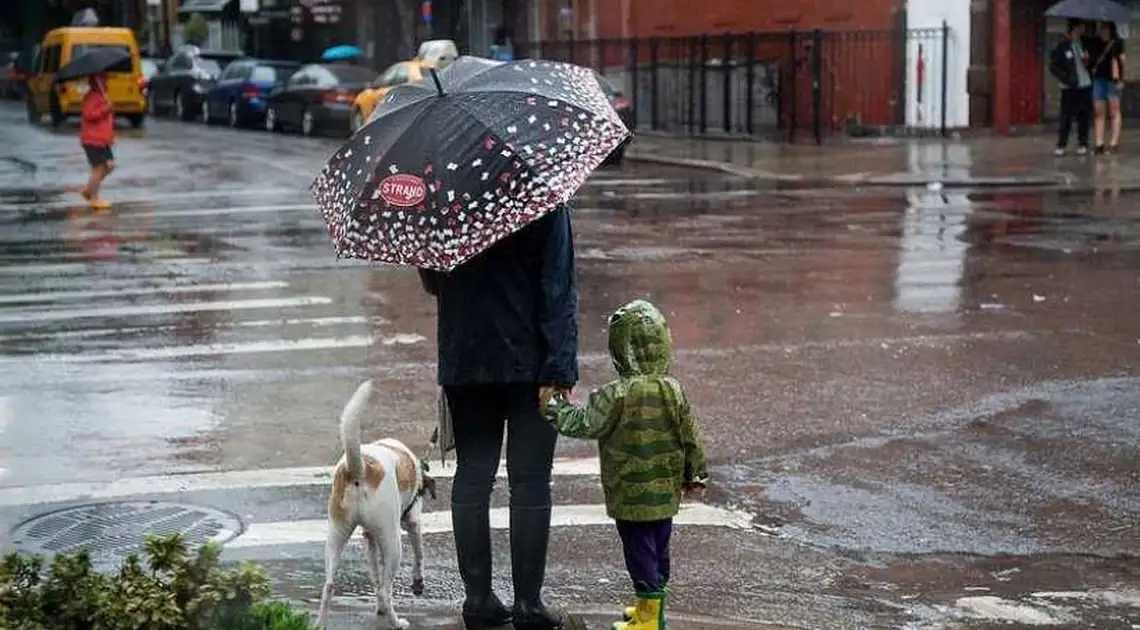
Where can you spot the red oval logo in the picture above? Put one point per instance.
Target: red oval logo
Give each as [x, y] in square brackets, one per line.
[402, 190]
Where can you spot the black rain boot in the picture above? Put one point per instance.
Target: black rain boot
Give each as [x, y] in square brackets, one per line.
[481, 607]
[530, 536]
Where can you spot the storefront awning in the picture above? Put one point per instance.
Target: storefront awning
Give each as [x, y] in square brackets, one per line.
[203, 6]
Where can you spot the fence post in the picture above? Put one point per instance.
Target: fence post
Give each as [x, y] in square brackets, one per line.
[792, 85]
[727, 65]
[653, 72]
[945, 71]
[749, 81]
[634, 85]
[817, 84]
[704, 60]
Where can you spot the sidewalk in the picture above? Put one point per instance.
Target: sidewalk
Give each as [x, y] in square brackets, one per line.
[968, 162]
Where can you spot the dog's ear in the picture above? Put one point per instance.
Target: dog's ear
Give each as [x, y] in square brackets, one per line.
[429, 486]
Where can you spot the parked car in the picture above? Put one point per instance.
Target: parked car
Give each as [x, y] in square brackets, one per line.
[240, 95]
[59, 47]
[435, 53]
[624, 108]
[184, 80]
[317, 97]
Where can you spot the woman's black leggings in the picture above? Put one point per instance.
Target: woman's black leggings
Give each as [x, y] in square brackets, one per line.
[479, 414]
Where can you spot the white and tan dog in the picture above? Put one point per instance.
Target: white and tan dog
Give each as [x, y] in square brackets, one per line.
[378, 487]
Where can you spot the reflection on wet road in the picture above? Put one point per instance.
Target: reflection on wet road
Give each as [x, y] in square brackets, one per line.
[921, 407]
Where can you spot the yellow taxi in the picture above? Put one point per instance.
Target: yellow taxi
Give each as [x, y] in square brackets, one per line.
[435, 53]
[61, 45]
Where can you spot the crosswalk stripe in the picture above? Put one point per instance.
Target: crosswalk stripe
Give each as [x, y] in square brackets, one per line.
[86, 333]
[160, 309]
[53, 296]
[202, 350]
[232, 480]
[75, 201]
[439, 522]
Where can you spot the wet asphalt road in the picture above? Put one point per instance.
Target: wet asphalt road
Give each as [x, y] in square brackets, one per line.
[922, 409]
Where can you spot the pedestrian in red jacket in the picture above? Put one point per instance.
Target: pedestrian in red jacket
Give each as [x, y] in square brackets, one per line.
[97, 135]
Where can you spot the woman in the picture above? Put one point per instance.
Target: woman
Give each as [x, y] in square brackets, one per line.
[508, 337]
[1106, 65]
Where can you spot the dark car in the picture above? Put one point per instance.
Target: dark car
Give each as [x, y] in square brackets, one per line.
[317, 97]
[624, 108]
[240, 96]
[148, 67]
[184, 80]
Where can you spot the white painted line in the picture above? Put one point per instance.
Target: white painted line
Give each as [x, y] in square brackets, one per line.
[439, 522]
[53, 296]
[627, 182]
[160, 309]
[234, 480]
[727, 194]
[208, 212]
[203, 350]
[73, 200]
[49, 269]
[318, 322]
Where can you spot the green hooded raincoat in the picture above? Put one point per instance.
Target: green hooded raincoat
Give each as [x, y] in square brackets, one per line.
[648, 441]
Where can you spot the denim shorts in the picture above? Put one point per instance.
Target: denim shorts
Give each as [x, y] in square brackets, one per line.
[1105, 89]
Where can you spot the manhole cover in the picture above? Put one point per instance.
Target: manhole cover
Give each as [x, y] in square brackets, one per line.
[111, 531]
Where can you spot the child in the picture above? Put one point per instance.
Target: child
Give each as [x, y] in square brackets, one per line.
[97, 134]
[650, 450]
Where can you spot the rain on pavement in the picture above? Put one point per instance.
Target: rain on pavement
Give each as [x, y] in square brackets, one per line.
[921, 407]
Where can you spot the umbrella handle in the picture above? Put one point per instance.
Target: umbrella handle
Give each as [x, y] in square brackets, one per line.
[435, 78]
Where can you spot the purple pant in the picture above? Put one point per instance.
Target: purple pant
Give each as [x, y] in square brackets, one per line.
[646, 547]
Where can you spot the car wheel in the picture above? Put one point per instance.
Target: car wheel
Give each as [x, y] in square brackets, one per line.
[308, 125]
[137, 121]
[357, 120]
[235, 118]
[204, 114]
[30, 108]
[271, 120]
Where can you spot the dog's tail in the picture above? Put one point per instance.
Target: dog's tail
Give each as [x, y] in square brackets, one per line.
[350, 429]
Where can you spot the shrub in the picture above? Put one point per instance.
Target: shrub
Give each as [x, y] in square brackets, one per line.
[196, 31]
[171, 590]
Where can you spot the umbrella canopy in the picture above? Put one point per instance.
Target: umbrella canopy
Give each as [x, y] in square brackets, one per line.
[341, 53]
[1098, 10]
[447, 167]
[97, 61]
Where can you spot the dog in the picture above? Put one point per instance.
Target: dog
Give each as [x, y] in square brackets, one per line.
[380, 488]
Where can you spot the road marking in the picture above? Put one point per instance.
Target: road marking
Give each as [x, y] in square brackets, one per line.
[164, 197]
[232, 480]
[201, 350]
[206, 212]
[160, 309]
[627, 182]
[318, 322]
[727, 194]
[52, 269]
[52, 296]
[439, 522]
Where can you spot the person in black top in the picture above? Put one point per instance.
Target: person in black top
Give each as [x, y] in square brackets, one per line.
[1068, 63]
[1106, 64]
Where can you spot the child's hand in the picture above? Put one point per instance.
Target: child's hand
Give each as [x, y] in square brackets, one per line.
[693, 491]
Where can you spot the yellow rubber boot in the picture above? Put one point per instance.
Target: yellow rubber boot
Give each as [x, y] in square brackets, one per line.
[630, 611]
[648, 613]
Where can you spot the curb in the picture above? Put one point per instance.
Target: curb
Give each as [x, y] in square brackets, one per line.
[868, 181]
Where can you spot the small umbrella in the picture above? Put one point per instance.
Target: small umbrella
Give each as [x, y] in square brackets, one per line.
[97, 61]
[447, 167]
[341, 53]
[1098, 10]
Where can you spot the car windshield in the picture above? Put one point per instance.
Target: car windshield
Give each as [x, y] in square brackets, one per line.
[268, 74]
[210, 66]
[351, 74]
[80, 49]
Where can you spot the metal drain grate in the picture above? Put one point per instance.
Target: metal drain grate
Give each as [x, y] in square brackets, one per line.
[111, 531]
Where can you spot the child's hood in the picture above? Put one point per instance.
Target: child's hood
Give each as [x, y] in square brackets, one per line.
[640, 341]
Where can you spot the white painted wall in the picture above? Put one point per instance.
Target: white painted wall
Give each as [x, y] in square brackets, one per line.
[928, 15]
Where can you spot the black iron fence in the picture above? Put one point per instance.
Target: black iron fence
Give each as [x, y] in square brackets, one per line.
[774, 85]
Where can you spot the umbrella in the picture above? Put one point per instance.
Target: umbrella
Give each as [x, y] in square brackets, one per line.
[1098, 10]
[445, 168]
[342, 52]
[97, 61]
